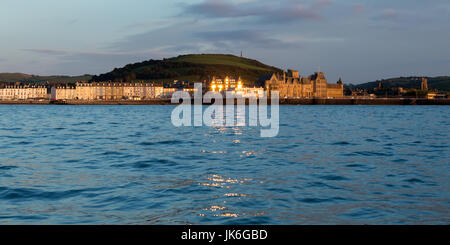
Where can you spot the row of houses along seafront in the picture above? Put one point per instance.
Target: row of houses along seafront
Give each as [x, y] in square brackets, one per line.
[23, 92]
[292, 85]
[143, 91]
[109, 91]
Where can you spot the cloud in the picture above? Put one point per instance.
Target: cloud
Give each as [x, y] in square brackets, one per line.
[389, 14]
[80, 62]
[396, 19]
[266, 11]
[75, 52]
[211, 26]
[358, 9]
[46, 51]
[239, 38]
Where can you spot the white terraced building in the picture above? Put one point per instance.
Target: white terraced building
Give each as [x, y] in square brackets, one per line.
[23, 92]
[107, 91]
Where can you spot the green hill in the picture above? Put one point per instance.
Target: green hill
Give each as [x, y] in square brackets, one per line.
[193, 67]
[25, 78]
[434, 83]
[223, 59]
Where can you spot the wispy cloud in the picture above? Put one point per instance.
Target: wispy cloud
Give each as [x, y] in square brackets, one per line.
[93, 62]
[46, 51]
[242, 38]
[390, 14]
[358, 9]
[77, 52]
[266, 11]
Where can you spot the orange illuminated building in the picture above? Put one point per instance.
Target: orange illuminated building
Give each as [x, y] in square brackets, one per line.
[224, 84]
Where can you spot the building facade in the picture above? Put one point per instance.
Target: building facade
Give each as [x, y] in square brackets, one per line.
[23, 92]
[107, 91]
[63, 93]
[235, 85]
[292, 85]
[424, 84]
[249, 92]
[218, 84]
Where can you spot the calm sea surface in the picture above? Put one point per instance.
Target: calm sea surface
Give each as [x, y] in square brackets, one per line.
[129, 165]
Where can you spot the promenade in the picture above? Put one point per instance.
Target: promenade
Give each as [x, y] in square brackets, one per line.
[345, 101]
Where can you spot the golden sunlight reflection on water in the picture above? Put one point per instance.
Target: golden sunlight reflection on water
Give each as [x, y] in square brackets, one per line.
[221, 181]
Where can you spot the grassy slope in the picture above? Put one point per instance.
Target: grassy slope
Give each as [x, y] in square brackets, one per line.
[20, 77]
[223, 59]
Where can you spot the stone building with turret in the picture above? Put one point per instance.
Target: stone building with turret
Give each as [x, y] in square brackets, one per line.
[424, 84]
[292, 85]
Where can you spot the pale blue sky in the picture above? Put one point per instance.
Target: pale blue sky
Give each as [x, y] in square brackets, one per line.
[358, 40]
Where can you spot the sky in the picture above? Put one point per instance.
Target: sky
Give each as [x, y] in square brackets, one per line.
[360, 41]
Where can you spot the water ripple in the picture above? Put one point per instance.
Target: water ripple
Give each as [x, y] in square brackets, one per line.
[130, 165]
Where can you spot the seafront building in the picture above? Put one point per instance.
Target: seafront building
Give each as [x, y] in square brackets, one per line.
[254, 92]
[23, 92]
[424, 84]
[218, 84]
[63, 92]
[292, 85]
[234, 85]
[107, 91]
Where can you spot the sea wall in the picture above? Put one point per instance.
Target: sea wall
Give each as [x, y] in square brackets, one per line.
[349, 101]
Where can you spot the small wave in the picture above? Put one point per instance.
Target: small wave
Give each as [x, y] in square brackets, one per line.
[371, 140]
[320, 200]
[141, 164]
[362, 212]
[73, 160]
[36, 194]
[333, 177]
[108, 153]
[24, 143]
[322, 185]
[83, 123]
[22, 217]
[438, 146]
[146, 163]
[355, 165]
[400, 160]
[7, 167]
[414, 180]
[165, 142]
[14, 137]
[342, 143]
[372, 153]
[11, 129]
